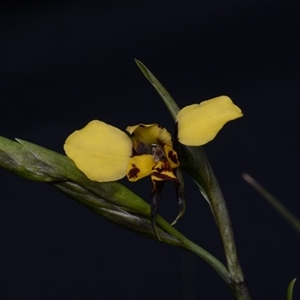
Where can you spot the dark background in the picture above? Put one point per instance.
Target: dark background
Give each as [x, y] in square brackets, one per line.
[64, 64]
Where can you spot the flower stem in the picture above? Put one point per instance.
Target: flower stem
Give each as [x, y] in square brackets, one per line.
[239, 289]
[206, 178]
[202, 173]
[194, 248]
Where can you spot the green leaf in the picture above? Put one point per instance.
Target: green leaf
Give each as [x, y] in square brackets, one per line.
[60, 167]
[279, 207]
[111, 200]
[15, 158]
[136, 223]
[290, 289]
[164, 94]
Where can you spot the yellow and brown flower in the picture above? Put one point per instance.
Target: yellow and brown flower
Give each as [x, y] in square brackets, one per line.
[105, 153]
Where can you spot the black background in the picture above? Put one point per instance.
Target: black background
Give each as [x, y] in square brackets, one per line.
[66, 63]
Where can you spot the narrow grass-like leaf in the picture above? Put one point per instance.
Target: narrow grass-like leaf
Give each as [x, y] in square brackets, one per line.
[47, 165]
[279, 207]
[290, 290]
[15, 158]
[136, 223]
[164, 94]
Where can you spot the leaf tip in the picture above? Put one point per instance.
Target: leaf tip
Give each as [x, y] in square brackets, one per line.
[290, 289]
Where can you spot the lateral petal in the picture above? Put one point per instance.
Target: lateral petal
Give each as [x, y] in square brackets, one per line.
[100, 151]
[140, 166]
[199, 123]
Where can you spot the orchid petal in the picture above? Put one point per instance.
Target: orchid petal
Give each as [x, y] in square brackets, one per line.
[101, 151]
[162, 171]
[148, 134]
[171, 156]
[140, 166]
[199, 123]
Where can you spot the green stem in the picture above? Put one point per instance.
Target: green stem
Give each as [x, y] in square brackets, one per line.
[225, 228]
[206, 179]
[194, 248]
[239, 289]
[209, 186]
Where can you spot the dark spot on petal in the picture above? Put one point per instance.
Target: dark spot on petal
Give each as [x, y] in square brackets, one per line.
[164, 167]
[133, 171]
[159, 170]
[163, 176]
[173, 157]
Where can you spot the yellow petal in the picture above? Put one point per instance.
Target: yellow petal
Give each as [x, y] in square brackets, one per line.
[199, 123]
[171, 156]
[147, 134]
[140, 166]
[100, 151]
[162, 171]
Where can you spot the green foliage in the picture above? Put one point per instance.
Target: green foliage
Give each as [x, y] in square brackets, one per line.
[290, 289]
[118, 204]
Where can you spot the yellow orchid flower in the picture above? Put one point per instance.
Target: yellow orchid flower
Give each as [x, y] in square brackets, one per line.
[105, 153]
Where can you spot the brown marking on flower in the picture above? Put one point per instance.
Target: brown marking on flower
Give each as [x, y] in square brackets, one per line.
[165, 167]
[163, 176]
[133, 171]
[173, 157]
